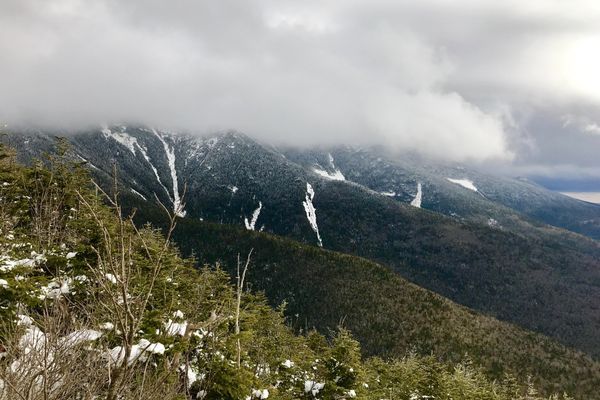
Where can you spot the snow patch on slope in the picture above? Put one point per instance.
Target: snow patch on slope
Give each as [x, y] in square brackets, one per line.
[145, 154]
[250, 224]
[121, 137]
[336, 175]
[388, 194]
[138, 352]
[466, 183]
[419, 197]
[311, 212]
[36, 350]
[178, 207]
[7, 263]
[132, 144]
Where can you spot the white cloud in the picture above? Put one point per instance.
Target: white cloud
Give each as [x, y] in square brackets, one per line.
[592, 128]
[582, 123]
[436, 76]
[443, 125]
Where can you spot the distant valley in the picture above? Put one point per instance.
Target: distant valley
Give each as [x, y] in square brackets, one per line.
[591, 197]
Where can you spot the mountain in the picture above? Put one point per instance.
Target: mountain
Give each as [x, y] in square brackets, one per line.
[94, 306]
[462, 243]
[390, 316]
[453, 190]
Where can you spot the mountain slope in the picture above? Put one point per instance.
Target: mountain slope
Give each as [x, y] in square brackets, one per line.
[389, 315]
[453, 190]
[94, 307]
[540, 277]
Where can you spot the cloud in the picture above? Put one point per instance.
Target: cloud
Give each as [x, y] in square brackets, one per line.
[592, 128]
[460, 80]
[438, 123]
[582, 123]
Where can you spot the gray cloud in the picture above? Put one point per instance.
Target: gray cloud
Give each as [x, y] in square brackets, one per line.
[467, 80]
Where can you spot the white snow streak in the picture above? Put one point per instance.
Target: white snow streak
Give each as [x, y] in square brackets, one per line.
[145, 154]
[311, 212]
[132, 144]
[250, 225]
[138, 193]
[86, 161]
[388, 194]
[170, 152]
[335, 176]
[417, 200]
[466, 183]
[121, 137]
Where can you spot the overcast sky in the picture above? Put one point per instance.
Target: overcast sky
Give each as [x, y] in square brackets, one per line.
[513, 83]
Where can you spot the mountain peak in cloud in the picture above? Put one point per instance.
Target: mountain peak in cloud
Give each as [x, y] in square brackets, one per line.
[430, 77]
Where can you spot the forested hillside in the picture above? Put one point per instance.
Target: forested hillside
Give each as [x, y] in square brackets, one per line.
[454, 189]
[459, 243]
[390, 316]
[94, 307]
